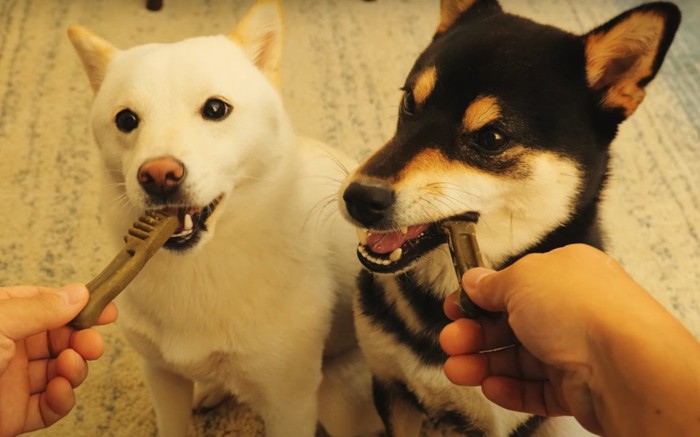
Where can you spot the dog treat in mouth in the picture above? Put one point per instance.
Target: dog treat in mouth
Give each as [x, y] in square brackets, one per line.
[143, 240]
[461, 237]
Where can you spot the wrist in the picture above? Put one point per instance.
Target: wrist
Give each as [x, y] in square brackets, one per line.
[645, 371]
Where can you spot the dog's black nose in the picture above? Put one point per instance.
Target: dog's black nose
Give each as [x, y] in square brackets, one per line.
[161, 177]
[368, 204]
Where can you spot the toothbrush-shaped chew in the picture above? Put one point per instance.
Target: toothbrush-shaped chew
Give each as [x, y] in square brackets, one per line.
[461, 237]
[143, 240]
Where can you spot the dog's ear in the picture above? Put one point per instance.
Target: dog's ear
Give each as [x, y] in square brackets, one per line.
[453, 10]
[94, 52]
[260, 36]
[624, 54]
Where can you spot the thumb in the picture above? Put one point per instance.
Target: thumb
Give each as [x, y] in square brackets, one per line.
[485, 288]
[21, 317]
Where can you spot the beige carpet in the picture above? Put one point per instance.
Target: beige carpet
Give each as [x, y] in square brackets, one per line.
[344, 63]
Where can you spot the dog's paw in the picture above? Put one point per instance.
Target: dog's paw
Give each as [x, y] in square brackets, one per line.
[208, 396]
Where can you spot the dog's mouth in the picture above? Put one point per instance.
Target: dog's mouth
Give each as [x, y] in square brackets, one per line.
[193, 222]
[395, 250]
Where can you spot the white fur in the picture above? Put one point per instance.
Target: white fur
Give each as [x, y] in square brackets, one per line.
[250, 308]
[515, 212]
[390, 360]
[430, 384]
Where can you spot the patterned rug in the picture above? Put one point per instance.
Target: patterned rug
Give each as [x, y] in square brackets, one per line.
[343, 65]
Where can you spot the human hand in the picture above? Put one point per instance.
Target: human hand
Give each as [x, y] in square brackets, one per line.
[556, 306]
[41, 359]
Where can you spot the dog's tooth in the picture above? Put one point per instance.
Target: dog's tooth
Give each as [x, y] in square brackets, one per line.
[363, 251]
[188, 222]
[404, 230]
[367, 256]
[396, 255]
[361, 235]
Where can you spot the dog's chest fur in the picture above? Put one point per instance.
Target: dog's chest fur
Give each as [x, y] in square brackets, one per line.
[398, 320]
[262, 283]
[506, 120]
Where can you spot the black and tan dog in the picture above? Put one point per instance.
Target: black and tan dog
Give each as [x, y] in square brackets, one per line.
[502, 118]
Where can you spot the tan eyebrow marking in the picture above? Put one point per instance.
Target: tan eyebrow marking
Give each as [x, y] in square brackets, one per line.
[424, 85]
[482, 111]
[430, 161]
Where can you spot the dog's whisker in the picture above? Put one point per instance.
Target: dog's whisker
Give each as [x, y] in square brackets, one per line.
[461, 205]
[339, 164]
[122, 200]
[448, 206]
[564, 173]
[318, 209]
[451, 187]
[444, 197]
[121, 196]
[428, 208]
[330, 210]
[325, 214]
[336, 182]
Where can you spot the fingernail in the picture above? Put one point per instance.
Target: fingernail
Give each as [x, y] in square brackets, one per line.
[71, 294]
[474, 276]
[481, 274]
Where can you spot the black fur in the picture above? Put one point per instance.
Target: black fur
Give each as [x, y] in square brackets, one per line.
[529, 427]
[538, 74]
[387, 393]
[423, 343]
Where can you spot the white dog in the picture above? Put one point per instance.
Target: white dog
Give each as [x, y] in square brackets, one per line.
[252, 294]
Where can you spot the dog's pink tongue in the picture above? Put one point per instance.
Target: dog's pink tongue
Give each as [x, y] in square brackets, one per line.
[387, 242]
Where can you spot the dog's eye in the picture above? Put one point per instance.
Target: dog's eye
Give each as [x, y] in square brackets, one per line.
[408, 103]
[126, 120]
[491, 140]
[215, 109]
